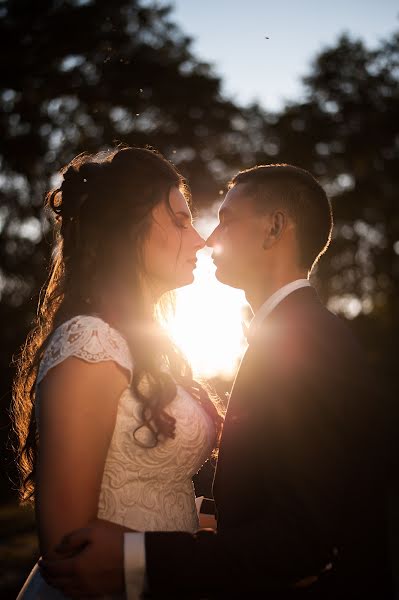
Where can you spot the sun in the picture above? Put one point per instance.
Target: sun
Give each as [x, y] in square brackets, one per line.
[207, 324]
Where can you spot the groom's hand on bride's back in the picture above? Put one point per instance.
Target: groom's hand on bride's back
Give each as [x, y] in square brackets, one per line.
[88, 562]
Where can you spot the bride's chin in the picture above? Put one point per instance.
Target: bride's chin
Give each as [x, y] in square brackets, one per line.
[185, 280]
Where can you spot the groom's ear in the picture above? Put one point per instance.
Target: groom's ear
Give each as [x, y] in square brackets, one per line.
[275, 224]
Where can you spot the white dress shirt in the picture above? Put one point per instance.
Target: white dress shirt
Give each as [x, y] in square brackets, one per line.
[134, 546]
[134, 560]
[134, 565]
[271, 303]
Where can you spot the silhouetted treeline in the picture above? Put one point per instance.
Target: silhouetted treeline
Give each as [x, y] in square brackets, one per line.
[81, 75]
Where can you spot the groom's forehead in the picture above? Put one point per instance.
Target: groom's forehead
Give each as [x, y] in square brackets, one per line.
[238, 200]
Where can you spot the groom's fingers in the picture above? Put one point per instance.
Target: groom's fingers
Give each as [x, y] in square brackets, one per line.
[69, 590]
[73, 541]
[60, 584]
[60, 569]
[68, 585]
[63, 575]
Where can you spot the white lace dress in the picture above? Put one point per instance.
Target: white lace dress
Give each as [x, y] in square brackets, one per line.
[143, 488]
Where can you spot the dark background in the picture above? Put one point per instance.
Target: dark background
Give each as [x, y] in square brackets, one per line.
[82, 75]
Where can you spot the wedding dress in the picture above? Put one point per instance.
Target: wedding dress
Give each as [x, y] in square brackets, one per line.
[143, 487]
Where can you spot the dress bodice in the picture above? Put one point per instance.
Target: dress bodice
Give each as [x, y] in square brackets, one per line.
[143, 487]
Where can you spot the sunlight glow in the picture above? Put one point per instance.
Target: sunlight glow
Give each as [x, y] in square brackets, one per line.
[207, 325]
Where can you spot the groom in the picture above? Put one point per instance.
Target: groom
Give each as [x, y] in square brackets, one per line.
[301, 465]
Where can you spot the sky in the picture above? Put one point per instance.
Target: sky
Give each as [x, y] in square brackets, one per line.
[232, 34]
[260, 49]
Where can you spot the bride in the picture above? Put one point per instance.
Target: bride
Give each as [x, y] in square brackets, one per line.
[111, 424]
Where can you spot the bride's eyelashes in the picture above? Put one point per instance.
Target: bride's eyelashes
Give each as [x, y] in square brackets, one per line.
[184, 223]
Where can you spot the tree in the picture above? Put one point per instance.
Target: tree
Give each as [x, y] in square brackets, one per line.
[347, 133]
[83, 74]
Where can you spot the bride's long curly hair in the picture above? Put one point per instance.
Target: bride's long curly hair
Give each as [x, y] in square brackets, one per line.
[103, 213]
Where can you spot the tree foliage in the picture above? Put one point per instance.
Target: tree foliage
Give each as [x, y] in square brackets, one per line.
[79, 75]
[346, 132]
[83, 75]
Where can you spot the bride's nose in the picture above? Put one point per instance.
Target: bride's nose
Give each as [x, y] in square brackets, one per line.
[199, 241]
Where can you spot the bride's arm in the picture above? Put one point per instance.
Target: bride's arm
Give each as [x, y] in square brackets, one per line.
[78, 405]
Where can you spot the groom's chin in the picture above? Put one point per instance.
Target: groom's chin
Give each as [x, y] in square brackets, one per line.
[225, 278]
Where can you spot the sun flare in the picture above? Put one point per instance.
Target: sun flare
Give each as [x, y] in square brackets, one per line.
[207, 325]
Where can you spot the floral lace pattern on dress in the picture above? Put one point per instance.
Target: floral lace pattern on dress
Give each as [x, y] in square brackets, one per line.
[143, 487]
[86, 337]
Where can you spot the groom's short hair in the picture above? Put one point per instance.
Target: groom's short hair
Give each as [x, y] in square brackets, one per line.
[306, 202]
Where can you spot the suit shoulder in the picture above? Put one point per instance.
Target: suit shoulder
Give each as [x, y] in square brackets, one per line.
[337, 333]
[313, 336]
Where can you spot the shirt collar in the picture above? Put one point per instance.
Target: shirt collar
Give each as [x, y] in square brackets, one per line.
[271, 303]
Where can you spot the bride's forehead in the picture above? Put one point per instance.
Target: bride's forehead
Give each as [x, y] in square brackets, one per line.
[177, 200]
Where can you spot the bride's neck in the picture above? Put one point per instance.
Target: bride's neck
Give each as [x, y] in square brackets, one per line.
[125, 311]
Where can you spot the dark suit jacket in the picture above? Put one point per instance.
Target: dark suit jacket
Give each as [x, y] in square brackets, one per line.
[300, 475]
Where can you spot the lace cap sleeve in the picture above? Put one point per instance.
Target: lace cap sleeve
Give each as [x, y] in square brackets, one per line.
[89, 338]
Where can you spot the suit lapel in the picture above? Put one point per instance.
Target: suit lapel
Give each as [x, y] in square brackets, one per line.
[238, 410]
